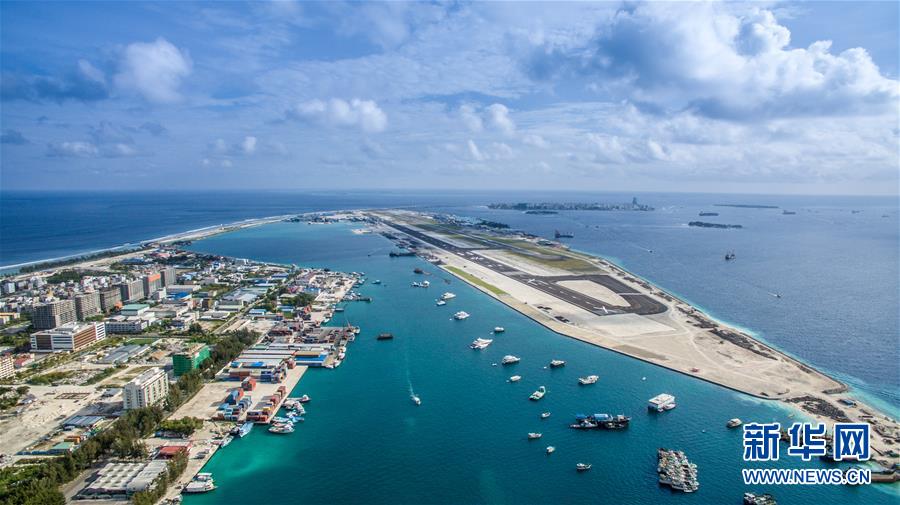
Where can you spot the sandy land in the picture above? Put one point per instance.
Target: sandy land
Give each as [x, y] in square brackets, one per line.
[676, 340]
[596, 291]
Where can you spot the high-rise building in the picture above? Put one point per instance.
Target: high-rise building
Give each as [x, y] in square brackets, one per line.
[53, 314]
[146, 389]
[109, 298]
[189, 359]
[152, 283]
[7, 367]
[169, 276]
[68, 337]
[132, 291]
[87, 305]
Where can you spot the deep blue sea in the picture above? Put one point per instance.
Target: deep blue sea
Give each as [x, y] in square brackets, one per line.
[365, 442]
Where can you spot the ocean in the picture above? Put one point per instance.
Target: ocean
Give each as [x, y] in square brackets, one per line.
[364, 441]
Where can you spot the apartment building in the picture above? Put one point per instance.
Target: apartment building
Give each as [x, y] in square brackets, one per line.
[146, 389]
[87, 305]
[71, 336]
[53, 314]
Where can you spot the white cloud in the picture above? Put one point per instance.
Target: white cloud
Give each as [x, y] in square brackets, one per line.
[363, 114]
[154, 69]
[535, 140]
[248, 146]
[474, 152]
[470, 117]
[75, 149]
[498, 117]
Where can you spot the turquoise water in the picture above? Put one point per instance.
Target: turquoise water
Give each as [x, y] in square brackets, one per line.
[365, 442]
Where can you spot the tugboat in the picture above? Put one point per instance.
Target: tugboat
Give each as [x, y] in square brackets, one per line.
[583, 467]
[590, 379]
[537, 395]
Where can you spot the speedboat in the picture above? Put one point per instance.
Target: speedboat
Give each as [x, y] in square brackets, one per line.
[481, 343]
[447, 296]
[550, 449]
[590, 379]
[734, 423]
[535, 436]
[304, 399]
[202, 483]
[545, 415]
[515, 378]
[537, 395]
[376, 281]
[415, 399]
[583, 467]
[509, 359]
[425, 284]
[440, 302]
[459, 316]
[499, 329]
[557, 363]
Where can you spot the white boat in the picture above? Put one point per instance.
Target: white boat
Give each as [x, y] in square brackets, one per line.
[281, 428]
[440, 302]
[202, 483]
[661, 402]
[415, 399]
[481, 343]
[499, 329]
[425, 284]
[535, 436]
[557, 363]
[583, 467]
[447, 296]
[590, 379]
[515, 378]
[459, 316]
[545, 415]
[734, 423]
[550, 449]
[537, 395]
[509, 359]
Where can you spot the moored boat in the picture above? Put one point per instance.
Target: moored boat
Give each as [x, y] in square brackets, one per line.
[534, 436]
[447, 296]
[480, 343]
[281, 428]
[660, 402]
[509, 359]
[499, 329]
[201, 483]
[734, 423]
[537, 395]
[515, 378]
[557, 363]
[582, 467]
[459, 316]
[590, 379]
[550, 449]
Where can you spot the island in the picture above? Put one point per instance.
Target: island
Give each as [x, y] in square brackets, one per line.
[703, 224]
[557, 206]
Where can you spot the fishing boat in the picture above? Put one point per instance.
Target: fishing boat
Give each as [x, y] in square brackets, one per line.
[509, 359]
[556, 363]
[734, 423]
[590, 379]
[459, 316]
[515, 378]
[534, 436]
[550, 449]
[545, 415]
[447, 296]
[440, 302]
[582, 467]
[537, 395]
[480, 343]
[201, 483]
[499, 329]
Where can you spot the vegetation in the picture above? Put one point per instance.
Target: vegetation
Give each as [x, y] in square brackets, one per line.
[183, 426]
[494, 224]
[9, 397]
[303, 299]
[75, 259]
[104, 374]
[49, 378]
[174, 469]
[72, 275]
[475, 280]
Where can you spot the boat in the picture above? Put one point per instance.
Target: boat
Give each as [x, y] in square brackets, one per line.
[582, 467]
[415, 284]
[201, 483]
[559, 235]
[590, 379]
[499, 329]
[669, 406]
[459, 316]
[545, 415]
[447, 296]
[376, 281]
[537, 395]
[676, 471]
[440, 302]
[734, 423]
[534, 436]
[600, 421]
[550, 449]
[415, 399]
[759, 499]
[281, 428]
[418, 271]
[515, 378]
[304, 399]
[509, 359]
[660, 402]
[242, 430]
[385, 336]
[557, 363]
[281, 420]
[480, 343]
[425, 284]
[339, 309]
[730, 256]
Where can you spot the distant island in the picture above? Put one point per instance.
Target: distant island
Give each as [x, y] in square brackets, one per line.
[702, 224]
[532, 208]
[541, 212]
[746, 206]
[709, 214]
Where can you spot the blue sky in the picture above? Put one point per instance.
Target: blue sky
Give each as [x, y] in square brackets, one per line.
[733, 97]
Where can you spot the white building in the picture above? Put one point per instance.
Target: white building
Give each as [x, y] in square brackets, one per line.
[7, 365]
[146, 389]
[68, 337]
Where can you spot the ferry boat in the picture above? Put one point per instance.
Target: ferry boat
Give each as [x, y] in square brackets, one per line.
[545, 415]
[509, 359]
[550, 449]
[201, 483]
[537, 395]
[481, 343]
[515, 378]
[459, 316]
[534, 436]
[557, 363]
[499, 329]
[582, 467]
[281, 429]
[661, 402]
[440, 302]
[447, 296]
[590, 379]
[734, 423]
[385, 336]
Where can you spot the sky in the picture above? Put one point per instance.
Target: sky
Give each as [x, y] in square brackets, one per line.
[687, 97]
